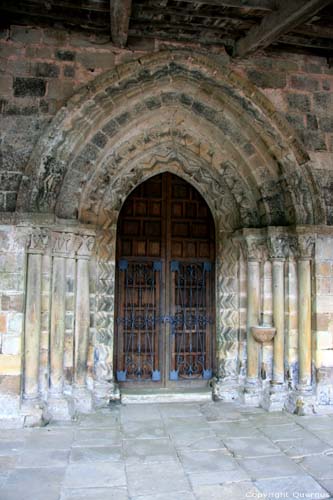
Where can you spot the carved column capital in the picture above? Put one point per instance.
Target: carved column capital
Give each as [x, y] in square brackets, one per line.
[278, 247]
[305, 246]
[85, 246]
[38, 241]
[63, 244]
[255, 248]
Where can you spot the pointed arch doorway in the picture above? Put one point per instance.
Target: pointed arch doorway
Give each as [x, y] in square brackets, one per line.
[165, 296]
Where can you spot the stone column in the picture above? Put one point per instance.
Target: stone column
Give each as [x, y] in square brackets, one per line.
[38, 242]
[277, 254]
[82, 396]
[302, 400]
[274, 396]
[305, 246]
[62, 248]
[254, 256]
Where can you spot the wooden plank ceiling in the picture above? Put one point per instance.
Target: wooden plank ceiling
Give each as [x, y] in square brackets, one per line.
[242, 26]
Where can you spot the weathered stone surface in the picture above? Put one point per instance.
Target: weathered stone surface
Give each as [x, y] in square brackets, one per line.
[35, 87]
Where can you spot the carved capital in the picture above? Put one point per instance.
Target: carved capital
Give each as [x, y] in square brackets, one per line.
[38, 241]
[63, 244]
[255, 248]
[85, 246]
[278, 247]
[305, 246]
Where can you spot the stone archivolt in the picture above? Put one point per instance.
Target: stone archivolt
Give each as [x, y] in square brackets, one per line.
[106, 113]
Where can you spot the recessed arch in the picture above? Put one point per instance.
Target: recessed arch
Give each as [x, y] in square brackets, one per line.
[103, 119]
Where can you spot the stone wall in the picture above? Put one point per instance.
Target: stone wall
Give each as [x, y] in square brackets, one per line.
[42, 68]
[12, 285]
[323, 318]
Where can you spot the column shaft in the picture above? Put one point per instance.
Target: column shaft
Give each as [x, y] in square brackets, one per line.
[82, 323]
[278, 319]
[253, 290]
[304, 321]
[32, 325]
[57, 324]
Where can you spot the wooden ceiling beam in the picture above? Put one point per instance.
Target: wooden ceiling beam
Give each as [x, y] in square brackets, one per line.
[265, 5]
[290, 14]
[120, 12]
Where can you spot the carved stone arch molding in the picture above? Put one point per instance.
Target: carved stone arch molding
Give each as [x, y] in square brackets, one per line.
[97, 117]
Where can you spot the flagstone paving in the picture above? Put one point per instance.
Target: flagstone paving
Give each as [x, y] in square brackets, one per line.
[182, 451]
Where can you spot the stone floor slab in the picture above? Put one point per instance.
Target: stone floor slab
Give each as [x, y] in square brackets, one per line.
[97, 437]
[33, 484]
[88, 454]
[94, 494]
[282, 432]
[319, 466]
[156, 479]
[270, 467]
[237, 429]
[152, 429]
[43, 458]
[303, 447]
[96, 475]
[206, 461]
[291, 488]
[251, 447]
[49, 437]
[149, 451]
[232, 491]
[179, 495]
[234, 475]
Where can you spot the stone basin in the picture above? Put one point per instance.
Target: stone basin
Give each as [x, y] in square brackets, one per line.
[262, 333]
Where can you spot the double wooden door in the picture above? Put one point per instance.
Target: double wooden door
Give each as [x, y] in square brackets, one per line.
[164, 329]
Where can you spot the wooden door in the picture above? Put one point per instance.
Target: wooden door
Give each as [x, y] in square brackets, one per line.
[164, 328]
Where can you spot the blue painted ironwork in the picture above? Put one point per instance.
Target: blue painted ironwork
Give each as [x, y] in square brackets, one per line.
[191, 323]
[138, 324]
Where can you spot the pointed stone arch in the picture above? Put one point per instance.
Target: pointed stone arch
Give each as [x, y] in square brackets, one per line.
[206, 110]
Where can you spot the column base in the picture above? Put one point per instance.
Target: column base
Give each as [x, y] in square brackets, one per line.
[226, 390]
[274, 397]
[251, 394]
[104, 393]
[33, 412]
[59, 407]
[82, 399]
[301, 401]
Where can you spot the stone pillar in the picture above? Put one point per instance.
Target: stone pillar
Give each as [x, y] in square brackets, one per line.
[305, 245]
[302, 400]
[82, 396]
[38, 242]
[274, 396]
[63, 246]
[32, 407]
[254, 256]
[277, 246]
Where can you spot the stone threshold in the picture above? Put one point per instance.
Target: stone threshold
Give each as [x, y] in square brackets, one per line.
[165, 395]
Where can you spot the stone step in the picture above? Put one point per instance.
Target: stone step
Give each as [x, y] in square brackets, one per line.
[162, 395]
